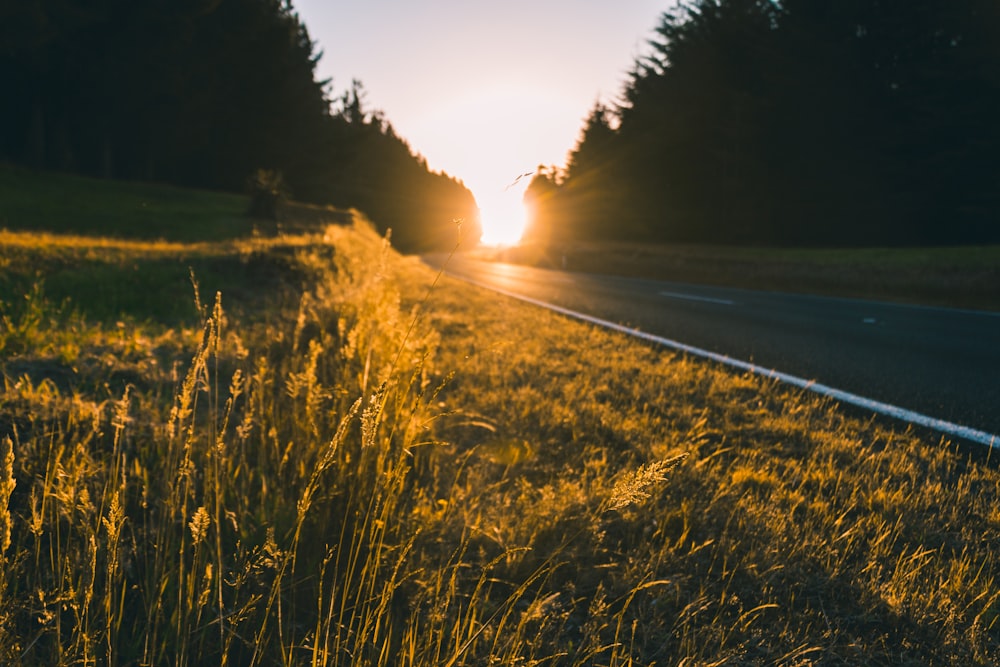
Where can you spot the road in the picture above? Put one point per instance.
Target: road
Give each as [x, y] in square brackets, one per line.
[939, 362]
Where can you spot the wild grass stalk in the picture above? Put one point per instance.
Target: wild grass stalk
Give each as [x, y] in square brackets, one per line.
[7, 485]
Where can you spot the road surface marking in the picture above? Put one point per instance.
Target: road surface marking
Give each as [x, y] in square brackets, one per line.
[940, 425]
[691, 297]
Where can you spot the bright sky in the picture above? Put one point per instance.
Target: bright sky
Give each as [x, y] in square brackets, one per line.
[485, 91]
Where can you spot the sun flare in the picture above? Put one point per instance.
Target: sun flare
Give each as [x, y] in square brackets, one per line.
[503, 218]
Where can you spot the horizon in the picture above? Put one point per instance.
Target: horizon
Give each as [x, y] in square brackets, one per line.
[515, 100]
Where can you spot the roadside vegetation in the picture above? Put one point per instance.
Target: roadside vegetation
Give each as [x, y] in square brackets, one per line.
[307, 449]
[953, 277]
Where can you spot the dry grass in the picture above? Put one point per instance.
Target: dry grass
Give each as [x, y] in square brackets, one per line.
[794, 533]
[339, 469]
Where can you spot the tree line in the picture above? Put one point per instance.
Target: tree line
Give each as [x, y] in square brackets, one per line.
[205, 93]
[799, 122]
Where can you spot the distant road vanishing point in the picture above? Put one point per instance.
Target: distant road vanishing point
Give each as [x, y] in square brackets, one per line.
[936, 367]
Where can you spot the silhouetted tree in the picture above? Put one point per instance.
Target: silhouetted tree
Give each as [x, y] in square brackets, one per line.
[546, 221]
[800, 122]
[205, 93]
[381, 175]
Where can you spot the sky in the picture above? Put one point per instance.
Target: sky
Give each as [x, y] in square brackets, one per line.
[485, 91]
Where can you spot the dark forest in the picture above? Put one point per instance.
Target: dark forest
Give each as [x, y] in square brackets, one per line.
[207, 93]
[800, 122]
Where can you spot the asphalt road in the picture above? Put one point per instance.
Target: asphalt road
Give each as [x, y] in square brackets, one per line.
[938, 362]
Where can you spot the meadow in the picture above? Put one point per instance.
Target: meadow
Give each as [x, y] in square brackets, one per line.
[306, 449]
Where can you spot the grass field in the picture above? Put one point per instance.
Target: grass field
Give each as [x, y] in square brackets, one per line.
[64, 203]
[309, 450]
[957, 277]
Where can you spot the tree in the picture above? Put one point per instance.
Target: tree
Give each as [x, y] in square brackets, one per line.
[380, 174]
[206, 93]
[546, 222]
[861, 122]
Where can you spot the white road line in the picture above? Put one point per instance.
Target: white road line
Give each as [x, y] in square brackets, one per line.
[692, 297]
[940, 425]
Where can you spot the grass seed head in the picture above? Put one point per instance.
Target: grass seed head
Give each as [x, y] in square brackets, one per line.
[199, 525]
[633, 487]
[7, 484]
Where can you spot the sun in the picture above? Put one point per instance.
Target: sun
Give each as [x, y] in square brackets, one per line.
[503, 217]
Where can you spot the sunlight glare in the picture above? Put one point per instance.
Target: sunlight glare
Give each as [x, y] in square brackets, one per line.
[503, 217]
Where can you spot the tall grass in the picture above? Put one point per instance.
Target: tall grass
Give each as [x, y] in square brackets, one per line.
[333, 469]
[270, 498]
[795, 532]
